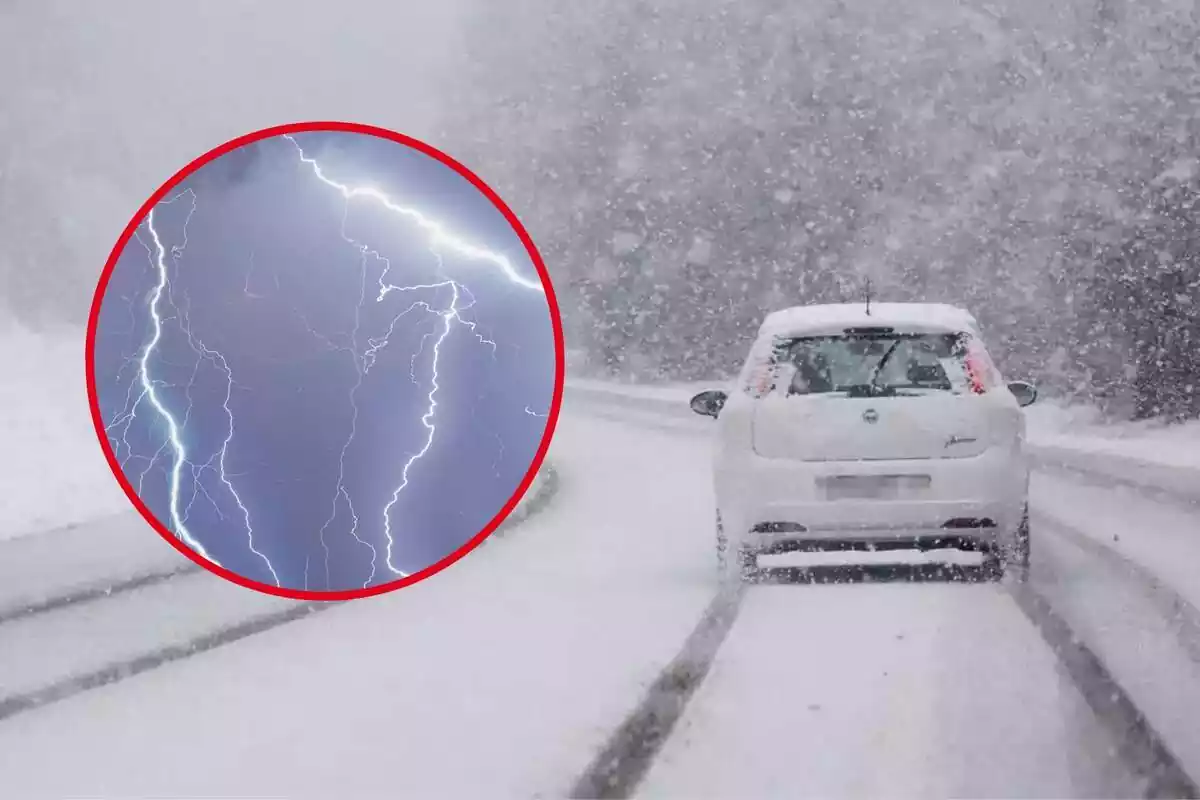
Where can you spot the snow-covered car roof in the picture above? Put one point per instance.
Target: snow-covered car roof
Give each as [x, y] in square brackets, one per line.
[832, 318]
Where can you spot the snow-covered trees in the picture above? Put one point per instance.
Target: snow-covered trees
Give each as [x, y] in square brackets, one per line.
[688, 166]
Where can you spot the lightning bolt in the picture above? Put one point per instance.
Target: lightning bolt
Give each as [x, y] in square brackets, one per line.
[219, 360]
[361, 365]
[441, 241]
[442, 299]
[175, 428]
[426, 420]
[440, 237]
[149, 387]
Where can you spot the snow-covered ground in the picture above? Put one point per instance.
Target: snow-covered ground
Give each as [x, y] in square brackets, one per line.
[63, 644]
[57, 472]
[1132, 594]
[500, 675]
[558, 627]
[652, 391]
[508, 671]
[1136, 627]
[1082, 428]
[35, 569]
[897, 690]
[1164, 538]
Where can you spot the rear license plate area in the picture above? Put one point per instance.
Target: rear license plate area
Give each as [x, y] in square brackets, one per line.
[872, 487]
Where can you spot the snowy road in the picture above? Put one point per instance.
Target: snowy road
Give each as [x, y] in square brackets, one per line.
[505, 672]
[510, 671]
[881, 691]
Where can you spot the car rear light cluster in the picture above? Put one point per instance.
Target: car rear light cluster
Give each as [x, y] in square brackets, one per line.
[981, 373]
[760, 372]
[759, 381]
[975, 376]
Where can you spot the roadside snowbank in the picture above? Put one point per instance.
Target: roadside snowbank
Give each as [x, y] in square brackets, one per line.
[54, 472]
[541, 491]
[556, 632]
[1082, 428]
[650, 391]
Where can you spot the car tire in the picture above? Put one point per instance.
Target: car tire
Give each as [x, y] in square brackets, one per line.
[722, 548]
[747, 564]
[1017, 565]
[738, 566]
[1012, 560]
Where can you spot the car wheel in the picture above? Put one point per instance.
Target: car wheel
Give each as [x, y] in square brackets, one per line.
[992, 567]
[1011, 561]
[738, 566]
[722, 548]
[1018, 562]
[747, 563]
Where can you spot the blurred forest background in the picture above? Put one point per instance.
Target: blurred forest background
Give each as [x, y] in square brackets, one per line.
[685, 166]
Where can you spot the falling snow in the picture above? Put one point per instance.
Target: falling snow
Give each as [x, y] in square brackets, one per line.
[1032, 161]
[685, 169]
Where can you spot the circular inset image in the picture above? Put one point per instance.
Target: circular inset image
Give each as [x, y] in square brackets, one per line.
[325, 361]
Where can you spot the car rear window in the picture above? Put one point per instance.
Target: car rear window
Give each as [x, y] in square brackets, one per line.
[875, 363]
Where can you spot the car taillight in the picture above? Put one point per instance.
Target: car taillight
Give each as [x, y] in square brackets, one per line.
[980, 371]
[975, 376]
[760, 379]
[761, 369]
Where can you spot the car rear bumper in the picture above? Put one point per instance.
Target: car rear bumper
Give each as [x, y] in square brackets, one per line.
[975, 539]
[772, 503]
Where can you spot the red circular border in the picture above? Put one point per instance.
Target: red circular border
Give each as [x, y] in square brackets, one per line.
[345, 127]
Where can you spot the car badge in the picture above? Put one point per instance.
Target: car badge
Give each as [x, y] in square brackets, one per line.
[870, 416]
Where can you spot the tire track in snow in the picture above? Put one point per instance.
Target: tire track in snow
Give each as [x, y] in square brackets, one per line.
[1162, 483]
[1181, 613]
[1140, 746]
[536, 498]
[625, 760]
[627, 755]
[119, 670]
[94, 592]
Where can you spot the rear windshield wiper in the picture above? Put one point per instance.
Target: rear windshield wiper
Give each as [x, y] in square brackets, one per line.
[882, 363]
[860, 390]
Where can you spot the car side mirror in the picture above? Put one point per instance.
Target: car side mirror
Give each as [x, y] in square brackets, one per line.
[709, 403]
[1026, 393]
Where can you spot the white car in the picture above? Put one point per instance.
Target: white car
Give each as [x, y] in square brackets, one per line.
[871, 428]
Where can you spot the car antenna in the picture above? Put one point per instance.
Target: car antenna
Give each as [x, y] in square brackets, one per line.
[868, 292]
